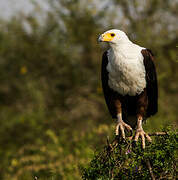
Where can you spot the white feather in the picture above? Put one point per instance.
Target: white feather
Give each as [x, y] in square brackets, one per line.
[126, 68]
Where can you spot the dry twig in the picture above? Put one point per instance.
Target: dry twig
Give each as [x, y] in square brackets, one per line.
[150, 169]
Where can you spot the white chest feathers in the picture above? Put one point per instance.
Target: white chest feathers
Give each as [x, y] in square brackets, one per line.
[126, 71]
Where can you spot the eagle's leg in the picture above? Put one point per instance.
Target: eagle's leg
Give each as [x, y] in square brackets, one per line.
[142, 105]
[141, 133]
[121, 126]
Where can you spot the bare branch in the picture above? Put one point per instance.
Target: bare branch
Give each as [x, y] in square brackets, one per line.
[159, 134]
[150, 169]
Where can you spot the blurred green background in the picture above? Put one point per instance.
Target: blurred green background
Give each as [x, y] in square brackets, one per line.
[52, 110]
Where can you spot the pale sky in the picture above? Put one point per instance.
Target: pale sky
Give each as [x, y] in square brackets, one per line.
[11, 7]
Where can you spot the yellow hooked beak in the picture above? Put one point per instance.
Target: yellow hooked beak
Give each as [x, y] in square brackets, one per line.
[108, 37]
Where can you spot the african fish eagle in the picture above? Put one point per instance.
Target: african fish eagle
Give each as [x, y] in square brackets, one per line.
[129, 83]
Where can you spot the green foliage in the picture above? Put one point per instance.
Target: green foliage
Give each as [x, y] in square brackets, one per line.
[52, 111]
[125, 161]
[55, 157]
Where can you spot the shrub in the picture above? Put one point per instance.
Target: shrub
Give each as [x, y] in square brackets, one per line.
[124, 160]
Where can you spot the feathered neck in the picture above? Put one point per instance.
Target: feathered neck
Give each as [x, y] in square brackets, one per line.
[116, 47]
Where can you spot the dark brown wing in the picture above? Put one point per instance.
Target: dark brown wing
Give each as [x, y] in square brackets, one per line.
[151, 80]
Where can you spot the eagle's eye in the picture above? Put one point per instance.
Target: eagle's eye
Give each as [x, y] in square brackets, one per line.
[112, 34]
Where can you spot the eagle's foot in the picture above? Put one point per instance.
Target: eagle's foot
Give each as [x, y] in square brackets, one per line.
[141, 133]
[120, 128]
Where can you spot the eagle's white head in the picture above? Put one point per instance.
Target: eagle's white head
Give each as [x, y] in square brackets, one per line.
[114, 37]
